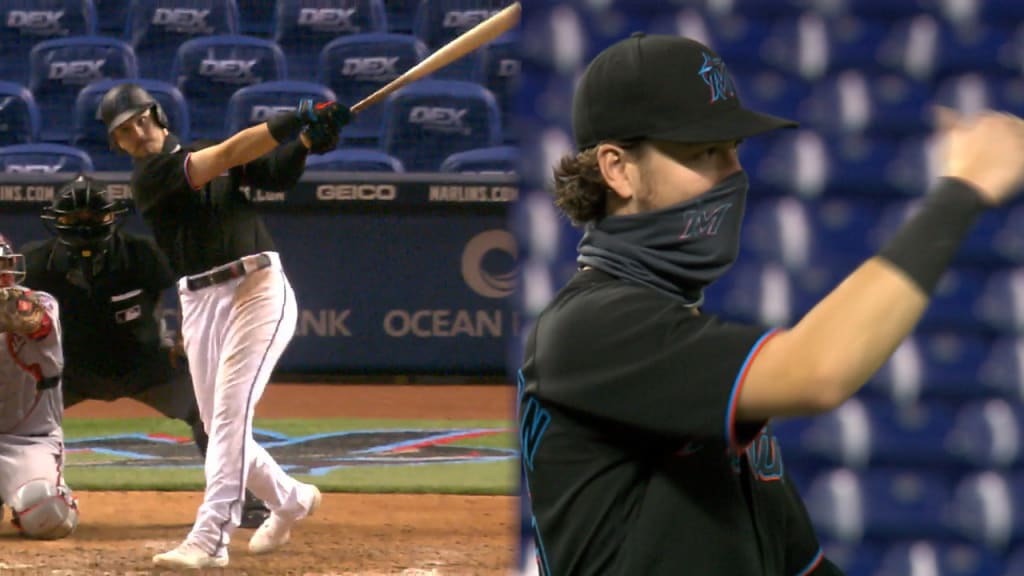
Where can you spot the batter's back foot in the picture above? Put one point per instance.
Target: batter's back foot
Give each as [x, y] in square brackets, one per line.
[277, 531]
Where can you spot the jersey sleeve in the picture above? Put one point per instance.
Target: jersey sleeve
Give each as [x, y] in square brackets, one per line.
[647, 363]
[160, 177]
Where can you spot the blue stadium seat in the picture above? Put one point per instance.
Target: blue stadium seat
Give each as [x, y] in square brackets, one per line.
[862, 559]
[357, 66]
[875, 432]
[303, 27]
[499, 159]
[799, 234]
[1015, 561]
[757, 292]
[258, 102]
[972, 92]
[925, 48]
[400, 15]
[440, 21]
[988, 433]
[90, 134]
[1000, 306]
[938, 558]
[559, 39]
[209, 69]
[886, 105]
[354, 160]
[881, 504]
[503, 77]
[988, 508]
[43, 159]
[62, 67]
[156, 28]
[956, 301]
[256, 17]
[1002, 372]
[19, 115]
[428, 121]
[112, 17]
[773, 92]
[23, 23]
[943, 364]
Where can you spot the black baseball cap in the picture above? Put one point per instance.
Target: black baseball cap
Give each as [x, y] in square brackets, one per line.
[664, 88]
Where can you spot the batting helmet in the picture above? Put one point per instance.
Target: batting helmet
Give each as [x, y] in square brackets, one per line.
[125, 101]
[12, 264]
[83, 217]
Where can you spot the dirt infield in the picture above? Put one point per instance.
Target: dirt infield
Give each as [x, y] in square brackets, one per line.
[365, 534]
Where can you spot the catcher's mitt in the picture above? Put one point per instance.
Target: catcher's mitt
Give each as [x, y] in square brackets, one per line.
[20, 311]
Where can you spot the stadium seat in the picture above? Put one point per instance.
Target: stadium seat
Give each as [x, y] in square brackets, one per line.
[988, 508]
[886, 105]
[258, 102]
[427, 121]
[502, 76]
[559, 42]
[438, 22]
[797, 234]
[943, 364]
[90, 134]
[925, 48]
[23, 23]
[19, 115]
[873, 431]
[1002, 372]
[112, 17]
[972, 92]
[400, 15]
[357, 66]
[988, 433]
[756, 292]
[881, 503]
[938, 558]
[1001, 305]
[62, 67]
[499, 159]
[43, 159]
[303, 27]
[773, 92]
[354, 160]
[862, 559]
[256, 17]
[209, 69]
[156, 28]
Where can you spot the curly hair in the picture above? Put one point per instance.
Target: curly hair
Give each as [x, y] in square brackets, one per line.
[580, 190]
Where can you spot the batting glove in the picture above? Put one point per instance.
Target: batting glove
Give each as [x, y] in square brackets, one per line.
[328, 113]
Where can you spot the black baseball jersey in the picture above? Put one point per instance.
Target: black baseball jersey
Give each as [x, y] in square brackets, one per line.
[634, 462]
[204, 228]
[109, 324]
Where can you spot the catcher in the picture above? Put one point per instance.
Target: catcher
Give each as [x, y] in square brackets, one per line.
[238, 308]
[31, 438]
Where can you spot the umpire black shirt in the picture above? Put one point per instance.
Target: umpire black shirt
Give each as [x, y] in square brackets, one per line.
[200, 229]
[108, 325]
[635, 463]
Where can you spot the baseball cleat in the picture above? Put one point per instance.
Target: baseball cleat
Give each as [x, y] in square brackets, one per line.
[276, 531]
[254, 512]
[189, 555]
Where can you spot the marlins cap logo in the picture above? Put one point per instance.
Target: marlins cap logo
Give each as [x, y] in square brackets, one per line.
[713, 73]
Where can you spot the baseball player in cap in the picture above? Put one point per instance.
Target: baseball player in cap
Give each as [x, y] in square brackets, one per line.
[644, 421]
[238, 308]
[109, 284]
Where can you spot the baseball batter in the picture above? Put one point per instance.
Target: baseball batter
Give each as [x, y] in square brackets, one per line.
[643, 420]
[238, 308]
[109, 285]
[31, 440]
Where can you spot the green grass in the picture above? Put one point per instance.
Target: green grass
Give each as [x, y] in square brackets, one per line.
[469, 478]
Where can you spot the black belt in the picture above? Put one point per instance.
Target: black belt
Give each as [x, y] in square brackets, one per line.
[228, 271]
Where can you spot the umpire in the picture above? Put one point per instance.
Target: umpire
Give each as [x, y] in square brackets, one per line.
[643, 420]
[108, 284]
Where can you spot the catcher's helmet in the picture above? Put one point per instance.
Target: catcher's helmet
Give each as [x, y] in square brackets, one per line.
[124, 101]
[83, 217]
[12, 264]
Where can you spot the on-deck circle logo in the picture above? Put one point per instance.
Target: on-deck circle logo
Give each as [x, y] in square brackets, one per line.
[485, 283]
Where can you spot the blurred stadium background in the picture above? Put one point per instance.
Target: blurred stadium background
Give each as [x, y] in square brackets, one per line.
[922, 473]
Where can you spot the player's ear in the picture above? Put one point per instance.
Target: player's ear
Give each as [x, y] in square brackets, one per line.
[614, 163]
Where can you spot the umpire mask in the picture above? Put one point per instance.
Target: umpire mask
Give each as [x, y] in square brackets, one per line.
[679, 249]
[84, 218]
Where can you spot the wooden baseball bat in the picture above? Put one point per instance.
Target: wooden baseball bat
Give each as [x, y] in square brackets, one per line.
[468, 41]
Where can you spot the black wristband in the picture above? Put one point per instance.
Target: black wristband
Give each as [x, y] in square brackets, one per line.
[283, 126]
[925, 245]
